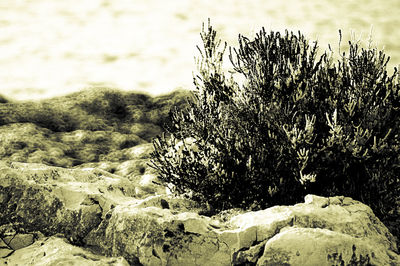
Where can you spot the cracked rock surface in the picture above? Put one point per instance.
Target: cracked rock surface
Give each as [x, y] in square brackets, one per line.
[57, 251]
[88, 216]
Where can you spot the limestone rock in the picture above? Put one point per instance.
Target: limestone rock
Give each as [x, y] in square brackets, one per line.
[146, 131]
[103, 165]
[142, 176]
[141, 151]
[315, 246]
[132, 168]
[155, 236]
[36, 197]
[19, 241]
[95, 209]
[28, 142]
[250, 256]
[5, 250]
[56, 251]
[175, 204]
[149, 184]
[323, 231]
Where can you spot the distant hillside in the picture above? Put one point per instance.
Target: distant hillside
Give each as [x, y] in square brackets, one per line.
[88, 126]
[93, 109]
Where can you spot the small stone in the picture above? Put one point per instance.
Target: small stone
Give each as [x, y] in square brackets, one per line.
[316, 200]
[215, 224]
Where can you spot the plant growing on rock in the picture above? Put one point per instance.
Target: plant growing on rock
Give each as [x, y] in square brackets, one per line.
[299, 123]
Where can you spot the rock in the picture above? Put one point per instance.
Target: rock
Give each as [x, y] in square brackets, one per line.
[249, 256]
[28, 142]
[5, 250]
[141, 151]
[317, 201]
[103, 165]
[175, 204]
[36, 197]
[95, 209]
[56, 251]
[3, 244]
[322, 231]
[142, 176]
[19, 241]
[149, 185]
[147, 131]
[315, 246]
[132, 168]
[155, 236]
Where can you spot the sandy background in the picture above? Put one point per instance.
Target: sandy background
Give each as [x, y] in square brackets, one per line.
[50, 48]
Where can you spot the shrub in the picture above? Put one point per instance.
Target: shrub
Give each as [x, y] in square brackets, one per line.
[299, 123]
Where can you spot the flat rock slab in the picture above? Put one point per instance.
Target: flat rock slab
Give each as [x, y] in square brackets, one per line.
[57, 251]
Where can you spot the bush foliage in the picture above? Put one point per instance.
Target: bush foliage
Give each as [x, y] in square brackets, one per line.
[299, 123]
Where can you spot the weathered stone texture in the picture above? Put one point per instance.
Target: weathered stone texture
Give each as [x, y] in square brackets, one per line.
[93, 209]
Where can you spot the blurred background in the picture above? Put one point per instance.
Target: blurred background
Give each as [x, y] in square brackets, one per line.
[50, 48]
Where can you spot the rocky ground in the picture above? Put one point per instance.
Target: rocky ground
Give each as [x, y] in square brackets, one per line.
[84, 194]
[87, 216]
[90, 126]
